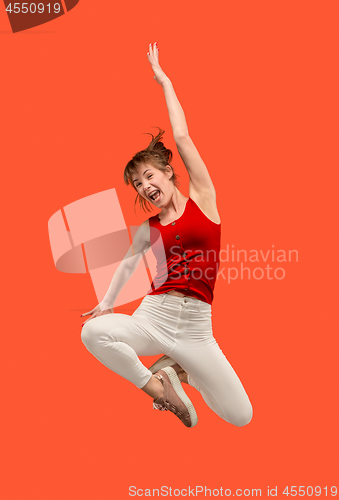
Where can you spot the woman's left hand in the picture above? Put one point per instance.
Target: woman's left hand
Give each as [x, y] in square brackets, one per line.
[153, 58]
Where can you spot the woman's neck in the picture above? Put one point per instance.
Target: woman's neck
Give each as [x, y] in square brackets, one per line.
[175, 206]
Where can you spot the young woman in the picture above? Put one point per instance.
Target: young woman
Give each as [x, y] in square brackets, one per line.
[175, 316]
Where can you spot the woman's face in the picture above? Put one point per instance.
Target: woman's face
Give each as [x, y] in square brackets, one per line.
[153, 184]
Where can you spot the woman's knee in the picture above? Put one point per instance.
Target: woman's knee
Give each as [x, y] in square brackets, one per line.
[102, 330]
[237, 414]
[89, 334]
[243, 416]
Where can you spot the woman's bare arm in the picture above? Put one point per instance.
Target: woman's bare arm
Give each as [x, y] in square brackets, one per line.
[141, 243]
[201, 184]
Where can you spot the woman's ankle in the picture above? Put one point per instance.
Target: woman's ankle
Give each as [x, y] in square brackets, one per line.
[183, 377]
[154, 388]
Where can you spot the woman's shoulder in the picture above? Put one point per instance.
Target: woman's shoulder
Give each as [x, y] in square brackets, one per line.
[140, 237]
[152, 221]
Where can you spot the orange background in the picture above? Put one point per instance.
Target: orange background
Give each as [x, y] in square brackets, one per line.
[259, 85]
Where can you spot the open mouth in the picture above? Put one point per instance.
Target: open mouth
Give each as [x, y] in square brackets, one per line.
[155, 195]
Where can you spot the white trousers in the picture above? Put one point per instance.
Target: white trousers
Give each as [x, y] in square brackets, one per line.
[180, 327]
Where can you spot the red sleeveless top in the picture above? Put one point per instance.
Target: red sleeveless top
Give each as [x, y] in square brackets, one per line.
[187, 254]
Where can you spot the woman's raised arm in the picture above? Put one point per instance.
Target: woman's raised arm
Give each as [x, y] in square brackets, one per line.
[201, 184]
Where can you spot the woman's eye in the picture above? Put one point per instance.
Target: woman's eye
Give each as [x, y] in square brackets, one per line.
[150, 175]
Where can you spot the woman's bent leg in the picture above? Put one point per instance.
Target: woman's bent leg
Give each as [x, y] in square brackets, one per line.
[213, 376]
[116, 340]
[195, 349]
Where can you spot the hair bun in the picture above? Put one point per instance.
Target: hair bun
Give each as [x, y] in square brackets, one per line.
[159, 146]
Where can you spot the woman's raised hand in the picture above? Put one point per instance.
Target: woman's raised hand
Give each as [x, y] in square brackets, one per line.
[153, 58]
[96, 312]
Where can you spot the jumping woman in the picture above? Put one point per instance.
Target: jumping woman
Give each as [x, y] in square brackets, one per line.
[174, 318]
